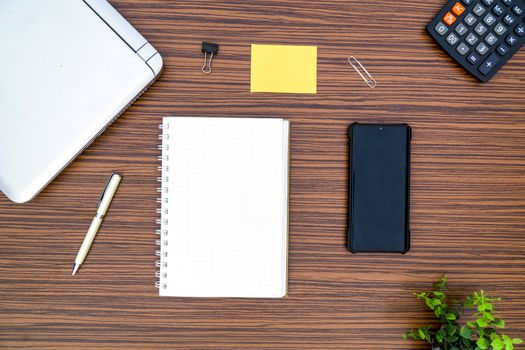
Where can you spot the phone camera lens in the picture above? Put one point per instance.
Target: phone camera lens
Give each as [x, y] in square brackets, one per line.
[380, 128]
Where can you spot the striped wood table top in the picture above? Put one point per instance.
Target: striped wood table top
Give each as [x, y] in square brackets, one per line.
[468, 189]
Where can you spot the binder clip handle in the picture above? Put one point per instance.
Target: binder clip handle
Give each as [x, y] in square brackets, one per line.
[208, 49]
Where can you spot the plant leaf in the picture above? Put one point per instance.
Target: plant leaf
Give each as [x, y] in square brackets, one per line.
[481, 322]
[497, 344]
[465, 332]
[438, 311]
[483, 343]
[467, 342]
[450, 316]
[468, 302]
[499, 323]
[451, 329]
[439, 335]
[481, 332]
[453, 339]
[409, 335]
[494, 335]
[428, 339]
[421, 333]
[517, 341]
[488, 316]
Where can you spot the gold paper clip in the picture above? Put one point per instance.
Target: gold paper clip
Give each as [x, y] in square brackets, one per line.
[363, 73]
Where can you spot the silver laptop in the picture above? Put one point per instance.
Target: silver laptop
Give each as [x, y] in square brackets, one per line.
[68, 69]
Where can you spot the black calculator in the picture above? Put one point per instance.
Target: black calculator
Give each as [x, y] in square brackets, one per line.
[481, 35]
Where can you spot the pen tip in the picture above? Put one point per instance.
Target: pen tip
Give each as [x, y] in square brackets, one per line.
[75, 268]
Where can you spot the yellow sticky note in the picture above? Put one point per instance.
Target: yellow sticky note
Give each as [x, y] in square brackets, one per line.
[284, 68]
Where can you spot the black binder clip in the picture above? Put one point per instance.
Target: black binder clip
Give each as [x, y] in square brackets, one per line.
[208, 49]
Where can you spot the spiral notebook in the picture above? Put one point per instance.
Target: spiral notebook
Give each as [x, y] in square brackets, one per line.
[224, 207]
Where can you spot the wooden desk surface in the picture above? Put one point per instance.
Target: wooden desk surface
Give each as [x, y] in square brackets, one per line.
[468, 189]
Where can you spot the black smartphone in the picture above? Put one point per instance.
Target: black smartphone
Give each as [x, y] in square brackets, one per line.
[379, 188]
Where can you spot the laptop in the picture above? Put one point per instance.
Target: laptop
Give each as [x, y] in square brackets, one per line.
[68, 69]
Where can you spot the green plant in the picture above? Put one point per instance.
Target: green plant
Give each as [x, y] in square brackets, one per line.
[482, 333]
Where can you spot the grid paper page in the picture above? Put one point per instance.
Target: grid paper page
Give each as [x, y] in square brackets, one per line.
[227, 207]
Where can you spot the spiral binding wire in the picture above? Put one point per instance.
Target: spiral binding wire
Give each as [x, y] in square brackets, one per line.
[162, 221]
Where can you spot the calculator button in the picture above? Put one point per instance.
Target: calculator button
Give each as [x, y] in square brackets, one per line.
[512, 40]
[472, 39]
[498, 10]
[500, 29]
[463, 49]
[489, 19]
[449, 18]
[480, 29]
[467, 2]
[503, 49]
[470, 20]
[458, 9]
[482, 49]
[479, 10]
[509, 20]
[473, 58]
[520, 29]
[491, 39]
[441, 29]
[452, 39]
[488, 2]
[518, 10]
[461, 29]
[489, 64]
[507, 2]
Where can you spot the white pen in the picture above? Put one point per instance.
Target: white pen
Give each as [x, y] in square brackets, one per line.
[103, 205]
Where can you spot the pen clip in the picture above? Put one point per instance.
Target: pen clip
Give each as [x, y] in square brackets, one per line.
[105, 189]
